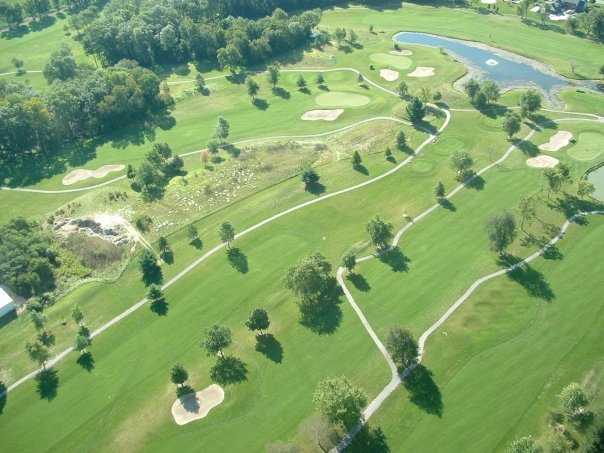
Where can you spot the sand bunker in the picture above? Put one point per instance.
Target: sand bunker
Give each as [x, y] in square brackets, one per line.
[422, 71]
[194, 406]
[491, 62]
[488, 2]
[542, 161]
[325, 115]
[557, 141]
[401, 53]
[82, 174]
[389, 75]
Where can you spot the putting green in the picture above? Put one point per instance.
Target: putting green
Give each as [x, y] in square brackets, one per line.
[588, 146]
[395, 61]
[341, 99]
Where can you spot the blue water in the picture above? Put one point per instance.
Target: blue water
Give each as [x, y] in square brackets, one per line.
[505, 73]
[596, 177]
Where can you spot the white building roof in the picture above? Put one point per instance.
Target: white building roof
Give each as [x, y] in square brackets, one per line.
[5, 299]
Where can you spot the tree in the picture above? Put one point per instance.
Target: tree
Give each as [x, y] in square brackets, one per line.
[301, 82]
[340, 401]
[556, 177]
[402, 89]
[594, 23]
[573, 399]
[527, 210]
[192, 233]
[252, 88]
[200, 83]
[38, 319]
[149, 267]
[82, 341]
[585, 188]
[60, 66]
[402, 347]
[273, 75]
[490, 90]
[130, 172]
[216, 339]
[229, 57]
[309, 278]
[178, 375]
[530, 102]
[227, 234]
[310, 177]
[388, 153]
[360, 78]
[511, 124]
[164, 248]
[340, 35]
[501, 231]
[480, 100]
[439, 190]
[401, 140]
[461, 162]
[12, 13]
[320, 79]
[77, 315]
[416, 110]
[157, 301]
[380, 233]
[352, 37]
[524, 445]
[222, 129]
[472, 87]
[258, 320]
[349, 261]
[213, 146]
[38, 353]
[356, 159]
[37, 8]
[425, 94]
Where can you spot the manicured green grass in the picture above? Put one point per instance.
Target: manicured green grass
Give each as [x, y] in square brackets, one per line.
[341, 99]
[507, 32]
[499, 362]
[589, 146]
[394, 61]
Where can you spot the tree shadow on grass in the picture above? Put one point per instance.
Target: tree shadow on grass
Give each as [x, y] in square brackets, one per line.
[396, 259]
[159, 307]
[233, 150]
[570, 205]
[238, 260]
[260, 104]
[7, 318]
[167, 256]
[543, 121]
[229, 370]
[552, 252]
[324, 315]
[197, 243]
[270, 347]
[361, 169]
[531, 279]
[369, 440]
[281, 92]
[315, 188]
[527, 147]
[47, 383]
[447, 204]
[358, 281]
[475, 182]
[423, 391]
[3, 396]
[86, 361]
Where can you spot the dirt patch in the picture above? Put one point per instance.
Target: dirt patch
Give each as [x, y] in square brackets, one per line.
[389, 75]
[422, 71]
[195, 406]
[325, 115]
[401, 53]
[557, 141]
[542, 161]
[82, 174]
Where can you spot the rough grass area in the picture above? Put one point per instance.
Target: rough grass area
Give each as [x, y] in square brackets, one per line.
[93, 252]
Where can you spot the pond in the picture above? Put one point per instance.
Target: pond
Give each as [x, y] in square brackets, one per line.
[500, 66]
[596, 177]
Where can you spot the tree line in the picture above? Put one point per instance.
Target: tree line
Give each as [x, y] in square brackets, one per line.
[82, 104]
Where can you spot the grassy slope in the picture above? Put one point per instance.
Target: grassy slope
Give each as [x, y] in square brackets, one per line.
[501, 360]
[506, 32]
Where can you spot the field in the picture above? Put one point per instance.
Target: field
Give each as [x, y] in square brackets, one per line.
[489, 375]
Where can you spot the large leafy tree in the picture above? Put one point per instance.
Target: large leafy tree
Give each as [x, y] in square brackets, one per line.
[380, 233]
[402, 347]
[60, 66]
[309, 278]
[216, 339]
[340, 401]
[501, 231]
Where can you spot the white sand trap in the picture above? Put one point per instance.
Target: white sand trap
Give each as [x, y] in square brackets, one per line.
[389, 75]
[557, 141]
[422, 71]
[325, 115]
[488, 2]
[194, 406]
[401, 53]
[492, 62]
[542, 161]
[82, 174]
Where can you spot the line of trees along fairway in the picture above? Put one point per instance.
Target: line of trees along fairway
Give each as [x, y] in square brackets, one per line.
[152, 32]
[82, 104]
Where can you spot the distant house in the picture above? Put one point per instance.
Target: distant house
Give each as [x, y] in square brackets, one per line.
[7, 304]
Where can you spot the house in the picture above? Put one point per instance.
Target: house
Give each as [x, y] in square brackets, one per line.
[7, 304]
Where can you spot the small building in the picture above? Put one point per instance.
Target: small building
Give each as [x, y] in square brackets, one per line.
[7, 304]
